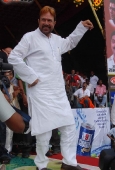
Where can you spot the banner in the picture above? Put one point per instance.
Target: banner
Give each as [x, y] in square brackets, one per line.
[109, 8]
[99, 118]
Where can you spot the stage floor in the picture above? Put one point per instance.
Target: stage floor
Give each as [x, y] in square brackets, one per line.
[19, 163]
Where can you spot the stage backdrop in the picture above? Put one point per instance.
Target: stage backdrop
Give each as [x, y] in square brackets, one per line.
[109, 8]
[99, 118]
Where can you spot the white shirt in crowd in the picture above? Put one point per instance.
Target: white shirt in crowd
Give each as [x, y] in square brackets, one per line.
[93, 80]
[90, 88]
[82, 93]
[112, 132]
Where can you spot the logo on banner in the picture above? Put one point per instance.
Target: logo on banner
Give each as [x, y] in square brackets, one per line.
[112, 80]
[86, 137]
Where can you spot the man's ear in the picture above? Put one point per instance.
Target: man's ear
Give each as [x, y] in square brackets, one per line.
[54, 23]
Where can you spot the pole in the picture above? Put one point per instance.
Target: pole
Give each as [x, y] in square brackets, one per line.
[96, 17]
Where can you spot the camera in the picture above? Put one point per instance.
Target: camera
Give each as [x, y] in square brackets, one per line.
[4, 79]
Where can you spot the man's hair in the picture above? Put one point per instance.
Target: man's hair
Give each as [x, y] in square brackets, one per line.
[112, 34]
[49, 9]
[112, 1]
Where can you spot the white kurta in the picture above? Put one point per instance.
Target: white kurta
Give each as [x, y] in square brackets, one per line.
[48, 104]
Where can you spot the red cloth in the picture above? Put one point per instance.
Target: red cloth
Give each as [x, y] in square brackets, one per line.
[73, 80]
[89, 101]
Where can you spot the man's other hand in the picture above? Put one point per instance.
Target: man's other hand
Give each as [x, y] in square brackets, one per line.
[33, 84]
[88, 24]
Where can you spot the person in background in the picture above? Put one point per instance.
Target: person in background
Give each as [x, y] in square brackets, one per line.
[100, 94]
[93, 79]
[91, 89]
[111, 135]
[83, 97]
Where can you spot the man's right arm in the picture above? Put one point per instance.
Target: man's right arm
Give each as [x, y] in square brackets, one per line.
[8, 115]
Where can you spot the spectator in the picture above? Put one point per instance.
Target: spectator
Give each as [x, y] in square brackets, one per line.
[83, 79]
[93, 80]
[100, 94]
[73, 81]
[83, 97]
[7, 50]
[111, 135]
[91, 89]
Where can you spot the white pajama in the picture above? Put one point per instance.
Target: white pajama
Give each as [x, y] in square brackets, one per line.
[67, 143]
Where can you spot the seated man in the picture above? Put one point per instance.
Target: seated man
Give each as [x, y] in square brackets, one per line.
[83, 97]
[91, 89]
[100, 94]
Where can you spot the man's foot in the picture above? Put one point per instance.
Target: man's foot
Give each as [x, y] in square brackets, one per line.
[69, 167]
[49, 153]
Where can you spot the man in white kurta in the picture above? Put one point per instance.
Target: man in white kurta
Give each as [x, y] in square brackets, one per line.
[47, 101]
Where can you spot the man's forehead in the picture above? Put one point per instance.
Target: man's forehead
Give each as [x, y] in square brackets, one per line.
[112, 4]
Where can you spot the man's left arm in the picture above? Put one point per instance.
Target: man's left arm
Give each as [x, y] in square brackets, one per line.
[73, 39]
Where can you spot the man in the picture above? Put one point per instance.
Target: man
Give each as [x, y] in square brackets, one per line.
[100, 94]
[111, 59]
[7, 50]
[83, 97]
[93, 79]
[73, 81]
[112, 12]
[47, 100]
[111, 135]
[91, 88]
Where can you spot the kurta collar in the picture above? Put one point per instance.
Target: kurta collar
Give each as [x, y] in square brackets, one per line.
[38, 30]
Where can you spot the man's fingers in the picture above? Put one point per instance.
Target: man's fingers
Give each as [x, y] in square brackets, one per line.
[88, 24]
[33, 84]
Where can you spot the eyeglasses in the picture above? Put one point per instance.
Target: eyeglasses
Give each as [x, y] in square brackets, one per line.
[110, 8]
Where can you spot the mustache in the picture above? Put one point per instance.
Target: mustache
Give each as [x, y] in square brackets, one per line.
[45, 26]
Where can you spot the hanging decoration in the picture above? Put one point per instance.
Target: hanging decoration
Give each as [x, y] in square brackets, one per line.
[97, 4]
[78, 2]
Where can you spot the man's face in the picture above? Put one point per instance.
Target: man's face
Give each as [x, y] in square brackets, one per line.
[100, 82]
[72, 71]
[113, 44]
[84, 85]
[92, 73]
[46, 23]
[8, 50]
[112, 10]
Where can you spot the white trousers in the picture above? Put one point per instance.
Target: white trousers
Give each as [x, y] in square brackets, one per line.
[68, 142]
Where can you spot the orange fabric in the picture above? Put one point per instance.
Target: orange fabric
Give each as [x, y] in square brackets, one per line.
[89, 101]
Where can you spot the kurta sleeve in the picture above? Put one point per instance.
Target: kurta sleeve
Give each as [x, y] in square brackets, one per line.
[73, 39]
[16, 58]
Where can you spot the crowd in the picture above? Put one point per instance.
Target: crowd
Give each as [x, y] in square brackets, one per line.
[83, 91]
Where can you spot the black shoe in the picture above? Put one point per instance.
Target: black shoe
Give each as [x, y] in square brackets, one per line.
[25, 155]
[49, 153]
[5, 159]
[69, 167]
